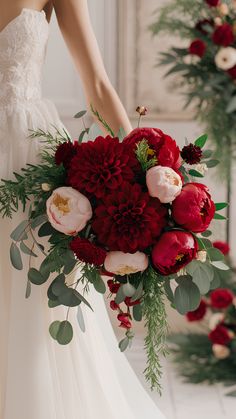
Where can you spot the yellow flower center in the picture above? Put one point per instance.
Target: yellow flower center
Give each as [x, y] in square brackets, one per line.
[151, 152]
[62, 204]
[179, 257]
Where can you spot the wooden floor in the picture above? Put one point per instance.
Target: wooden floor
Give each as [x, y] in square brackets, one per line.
[184, 401]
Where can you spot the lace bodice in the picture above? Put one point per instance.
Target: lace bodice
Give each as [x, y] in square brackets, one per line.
[22, 50]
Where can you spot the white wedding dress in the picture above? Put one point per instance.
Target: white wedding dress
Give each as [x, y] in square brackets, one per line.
[90, 378]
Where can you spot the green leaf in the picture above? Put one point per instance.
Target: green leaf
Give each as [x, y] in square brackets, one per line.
[195, 173]
[120, 296]
[219, 217]
[168, 291]
[68, 298]
[25, 249]
[59, 286]
[207, 154]
[65, 333]
[201, 141]
[123, 345]
[80, 114]
[215, 254]
[53, 303]
[54, 329]
[80, 319]
[36, 277]
[137, 312]
[187, 296]
[128, 290]
[138, 293]
[36, 222]
[212, 163]
[199, 269]
[220, 265]
[45, 267]
[46, 230]
[69, 266]
[121, 134]
[81, 137]
[19, 233]
[221, 205]
[15, 256]
[99, 284]
[95, 131]
[82, 299]
[28, 290]
[206, 233]
[231, 105]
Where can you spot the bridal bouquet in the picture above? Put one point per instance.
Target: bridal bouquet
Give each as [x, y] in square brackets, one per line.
[122, 208]
[210, 356]
[206, 63]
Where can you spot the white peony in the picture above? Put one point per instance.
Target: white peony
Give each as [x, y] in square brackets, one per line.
[202, 256]
[201, 168]
[225, 59]
[163, 183]
[121, 263]
[68, 210]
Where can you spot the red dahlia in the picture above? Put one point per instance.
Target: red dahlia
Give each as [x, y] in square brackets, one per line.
[197, 47]
[222, 246]
[223, 35]
[162, 146]
[129, 219]
[220, 335]
[213, 3]
[65, 152]
[174, 250]
[192, 154]
[221, 298]
[88, 252]
[100, 167]
[199, 314]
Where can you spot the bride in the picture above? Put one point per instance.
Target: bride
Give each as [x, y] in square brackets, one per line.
[90, 379]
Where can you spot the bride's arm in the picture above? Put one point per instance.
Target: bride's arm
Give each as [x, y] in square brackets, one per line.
[74, 21]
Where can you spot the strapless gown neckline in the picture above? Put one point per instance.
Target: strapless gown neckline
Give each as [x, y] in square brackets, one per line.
[24, 10]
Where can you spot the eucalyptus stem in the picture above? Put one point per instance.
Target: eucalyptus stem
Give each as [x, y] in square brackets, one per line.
[229, 190]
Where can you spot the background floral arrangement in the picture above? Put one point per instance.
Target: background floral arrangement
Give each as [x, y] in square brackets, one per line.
[120, 206]
[211, 356]
[207, 65]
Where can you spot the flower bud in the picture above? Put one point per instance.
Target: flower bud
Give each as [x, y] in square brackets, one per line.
[142, 110]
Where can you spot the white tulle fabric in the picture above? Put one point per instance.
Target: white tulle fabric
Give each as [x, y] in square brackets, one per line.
[39, 379]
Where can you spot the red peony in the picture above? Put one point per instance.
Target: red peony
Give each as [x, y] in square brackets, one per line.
[65, 152]
[192, 154]
[114, 306]
[197, 47]
[100, 167]
[113, 286]
[162, 146]
[199, 314]
[129, 219]
[222, 246]
[213, 3]
[125, 320]
[221, 298]
[232, 72]
[220, 335]
[88, 252]
[174, 250]
[130, 303]
[223, 35]
[193, 209]
[203, 24]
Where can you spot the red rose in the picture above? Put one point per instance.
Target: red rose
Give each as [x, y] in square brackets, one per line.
[222, 246]
[221, 298]
[174, 250]
[113, 286]
[199, 314]
[88, 252]
[232, 72]
[220, 335]
[114, 306]
[202, 25]
[100, 167]
[193, 209]
[129, 219]
[197, 47]
[162, 146]
[65, 152]
[223, 35]
[130, 303]
[213, 3]
[125, 320]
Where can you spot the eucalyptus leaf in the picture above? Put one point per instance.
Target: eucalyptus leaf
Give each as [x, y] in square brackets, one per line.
[137, 312]
[95, 132]
[138, 293]
[128, 290]
[187, 296]
[53, 303]
[68, 298]
[168, 291]
[19, 233]
[121, 134]
[124, 343]
[215, 254]
[120, 296]
[82, 299]
[25, 249]
[65, 333]
[220, 265]
[206, 233]
[81, 137]
[80, 319]
[199, 270]
[46, 230]
[36, 222]
[15, 256]
[99, 285]
[207, 154]
[54, 329]
[28, 290]
[36, 277]
[212, 163]
[80, 114]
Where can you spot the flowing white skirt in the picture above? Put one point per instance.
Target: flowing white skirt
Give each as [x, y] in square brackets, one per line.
[90, 378]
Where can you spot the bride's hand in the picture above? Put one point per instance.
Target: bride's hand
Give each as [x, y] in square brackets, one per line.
[74, 21]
